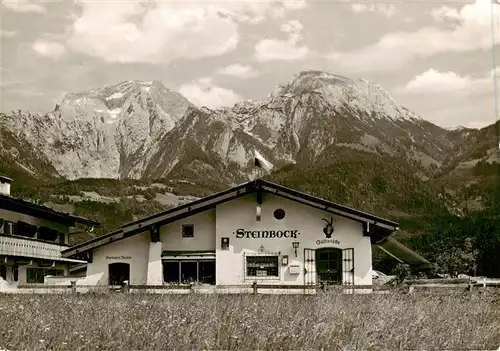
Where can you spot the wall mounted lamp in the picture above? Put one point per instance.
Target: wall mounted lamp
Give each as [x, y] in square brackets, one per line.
[295, 245]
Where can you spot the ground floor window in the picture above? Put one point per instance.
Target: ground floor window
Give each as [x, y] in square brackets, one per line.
[37, 275]
[189, 271]
[262, 266]
[206, 272]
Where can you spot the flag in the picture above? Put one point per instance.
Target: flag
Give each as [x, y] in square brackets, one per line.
[261, 162]
[288, 166]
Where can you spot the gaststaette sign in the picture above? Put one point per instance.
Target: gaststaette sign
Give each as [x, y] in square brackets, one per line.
[266, 234]
[327, 241]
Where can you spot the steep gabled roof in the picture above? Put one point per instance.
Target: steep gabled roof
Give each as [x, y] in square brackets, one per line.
[376, 227]
[22, 206]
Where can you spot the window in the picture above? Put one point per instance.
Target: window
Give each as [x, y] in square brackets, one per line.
[48, 234]
[206, 272]
[279, 214]
[329, 265]
[188, 230]
[37, 275]
[262, 266]
[171, 272]
[8, 227]
[189, 271]
[25, 229]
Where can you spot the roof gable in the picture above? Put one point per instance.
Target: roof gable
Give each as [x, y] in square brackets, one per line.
[273, 188]
[25, 207]
[371, 222]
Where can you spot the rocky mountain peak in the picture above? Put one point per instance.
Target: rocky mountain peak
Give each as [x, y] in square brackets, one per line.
[311, 81]
[105, 132]
[117, 95]
[142, 129]
[364, 98]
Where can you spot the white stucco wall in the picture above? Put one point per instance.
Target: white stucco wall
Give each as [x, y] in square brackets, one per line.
[210, 226]
[133, 250]
[241, 213]
[204, 233]
[5, 188]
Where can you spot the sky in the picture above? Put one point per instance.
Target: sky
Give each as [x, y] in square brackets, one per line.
[436, 58]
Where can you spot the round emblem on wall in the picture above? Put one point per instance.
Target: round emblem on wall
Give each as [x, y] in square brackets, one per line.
[279, 214]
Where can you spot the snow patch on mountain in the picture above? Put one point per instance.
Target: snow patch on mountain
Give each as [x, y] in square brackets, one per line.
[115, 96]
[361, 96]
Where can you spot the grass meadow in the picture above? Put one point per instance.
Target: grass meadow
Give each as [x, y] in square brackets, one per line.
[250, 322]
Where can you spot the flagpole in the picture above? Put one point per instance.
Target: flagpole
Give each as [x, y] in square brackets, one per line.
[494, 59]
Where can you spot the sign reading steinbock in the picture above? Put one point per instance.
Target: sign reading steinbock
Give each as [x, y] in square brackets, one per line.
[266, 234]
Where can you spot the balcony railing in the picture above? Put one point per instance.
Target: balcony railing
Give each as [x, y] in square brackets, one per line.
[18, 246]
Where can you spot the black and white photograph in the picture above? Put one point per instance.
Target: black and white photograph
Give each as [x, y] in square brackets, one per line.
[250, 175]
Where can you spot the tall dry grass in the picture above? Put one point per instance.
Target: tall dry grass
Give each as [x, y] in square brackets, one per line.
[247, 322]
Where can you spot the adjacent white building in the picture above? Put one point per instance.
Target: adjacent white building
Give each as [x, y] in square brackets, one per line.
[255, 232]
[32, 237]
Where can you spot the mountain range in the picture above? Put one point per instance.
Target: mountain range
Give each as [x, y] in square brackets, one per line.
[348, 140]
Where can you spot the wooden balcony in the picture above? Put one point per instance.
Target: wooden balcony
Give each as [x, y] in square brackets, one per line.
[24, 247]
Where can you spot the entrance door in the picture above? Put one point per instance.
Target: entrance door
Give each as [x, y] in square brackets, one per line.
[329, 265]
[118, 273]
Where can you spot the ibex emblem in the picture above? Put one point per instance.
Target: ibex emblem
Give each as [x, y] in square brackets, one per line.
[328, 229]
